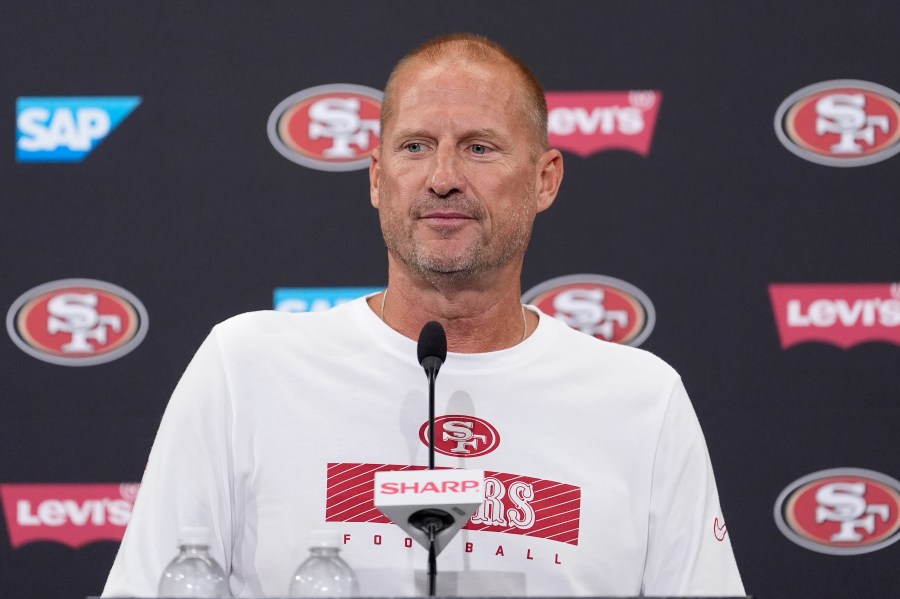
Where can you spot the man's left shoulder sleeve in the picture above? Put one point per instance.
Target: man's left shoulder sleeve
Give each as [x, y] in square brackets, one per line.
[689, 547]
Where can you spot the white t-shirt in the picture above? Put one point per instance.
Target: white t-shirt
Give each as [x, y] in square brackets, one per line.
[599, 481]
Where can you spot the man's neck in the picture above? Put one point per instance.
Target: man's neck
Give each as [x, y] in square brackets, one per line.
[476, 317]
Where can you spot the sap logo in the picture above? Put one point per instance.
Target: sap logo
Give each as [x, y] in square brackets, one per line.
[66, 129]
[317, 299]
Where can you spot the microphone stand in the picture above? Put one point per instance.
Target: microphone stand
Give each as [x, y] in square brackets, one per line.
[433, 513]
[432, 375]
[432, 351]
[431, 525]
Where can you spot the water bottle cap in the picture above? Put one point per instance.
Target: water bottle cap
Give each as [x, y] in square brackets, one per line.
[325, 538]
[193, 535]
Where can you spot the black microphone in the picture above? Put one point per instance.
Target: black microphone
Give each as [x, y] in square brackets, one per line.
[435, 504]
[432, 348]
[432, 351]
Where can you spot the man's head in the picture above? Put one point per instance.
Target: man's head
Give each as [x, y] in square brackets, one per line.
[475, 49]
[463, 165]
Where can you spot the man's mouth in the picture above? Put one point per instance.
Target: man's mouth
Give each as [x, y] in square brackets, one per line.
[446, 214]
[446, 218]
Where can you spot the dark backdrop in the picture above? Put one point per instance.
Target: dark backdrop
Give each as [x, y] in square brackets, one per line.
[188, 206]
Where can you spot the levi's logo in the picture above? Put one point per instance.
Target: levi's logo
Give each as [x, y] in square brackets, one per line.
[513, 504]
[73, 515]
[843, 315]
[585, 123]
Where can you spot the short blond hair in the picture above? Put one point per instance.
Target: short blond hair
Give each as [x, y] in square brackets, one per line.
[480, 50]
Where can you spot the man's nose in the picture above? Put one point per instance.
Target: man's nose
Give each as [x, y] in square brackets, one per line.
[447, 175]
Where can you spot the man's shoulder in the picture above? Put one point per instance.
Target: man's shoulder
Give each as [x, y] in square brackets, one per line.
[586, 349]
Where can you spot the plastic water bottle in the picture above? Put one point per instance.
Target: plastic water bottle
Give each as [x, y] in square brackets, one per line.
[324, 573]
[193, 573]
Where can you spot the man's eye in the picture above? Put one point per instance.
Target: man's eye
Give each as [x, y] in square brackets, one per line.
[479, 149]
[414, 147]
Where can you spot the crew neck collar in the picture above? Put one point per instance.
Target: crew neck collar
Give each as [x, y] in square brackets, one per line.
[405, 348]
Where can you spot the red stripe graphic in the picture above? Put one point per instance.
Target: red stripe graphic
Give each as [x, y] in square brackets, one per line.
[514, 503]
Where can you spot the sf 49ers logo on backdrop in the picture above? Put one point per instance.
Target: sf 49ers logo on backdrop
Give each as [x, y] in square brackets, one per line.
[462, 436]
[844, 511]
[585, 123]
[843, 315]
[600, 306]
[328, 127]
[841, 123]
[73, 515]
[77, 322]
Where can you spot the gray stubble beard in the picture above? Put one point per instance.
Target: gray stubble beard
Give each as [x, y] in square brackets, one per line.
[472, 265]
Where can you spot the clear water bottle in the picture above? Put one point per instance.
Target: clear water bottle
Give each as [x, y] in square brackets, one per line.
[324, 573]
[193, 573]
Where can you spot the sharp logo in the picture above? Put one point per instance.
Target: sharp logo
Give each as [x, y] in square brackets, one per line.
[447, 486]
[77, 322]
[844, 511]
[328, 127]
[603, 307]
[841, 314]
[585, 123]
[841, 123]
[462, 436]
[66, 129]
[73, 515]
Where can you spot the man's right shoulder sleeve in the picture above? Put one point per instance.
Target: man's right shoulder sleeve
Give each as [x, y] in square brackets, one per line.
[187, 482]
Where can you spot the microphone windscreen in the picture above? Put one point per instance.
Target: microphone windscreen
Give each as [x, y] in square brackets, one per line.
[432, 342]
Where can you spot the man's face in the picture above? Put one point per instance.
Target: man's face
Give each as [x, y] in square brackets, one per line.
[456, 179]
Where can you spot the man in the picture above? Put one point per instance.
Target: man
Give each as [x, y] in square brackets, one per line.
[599, 482]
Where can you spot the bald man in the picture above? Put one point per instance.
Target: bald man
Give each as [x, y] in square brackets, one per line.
[598, 478]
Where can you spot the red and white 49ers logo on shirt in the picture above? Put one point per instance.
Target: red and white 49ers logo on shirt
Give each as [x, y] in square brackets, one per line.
[462, 436]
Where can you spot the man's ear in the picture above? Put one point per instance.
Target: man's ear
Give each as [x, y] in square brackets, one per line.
[550, 174]
[374, 174]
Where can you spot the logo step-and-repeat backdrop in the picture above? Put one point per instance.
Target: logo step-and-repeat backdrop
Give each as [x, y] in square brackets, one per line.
[730, 203]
